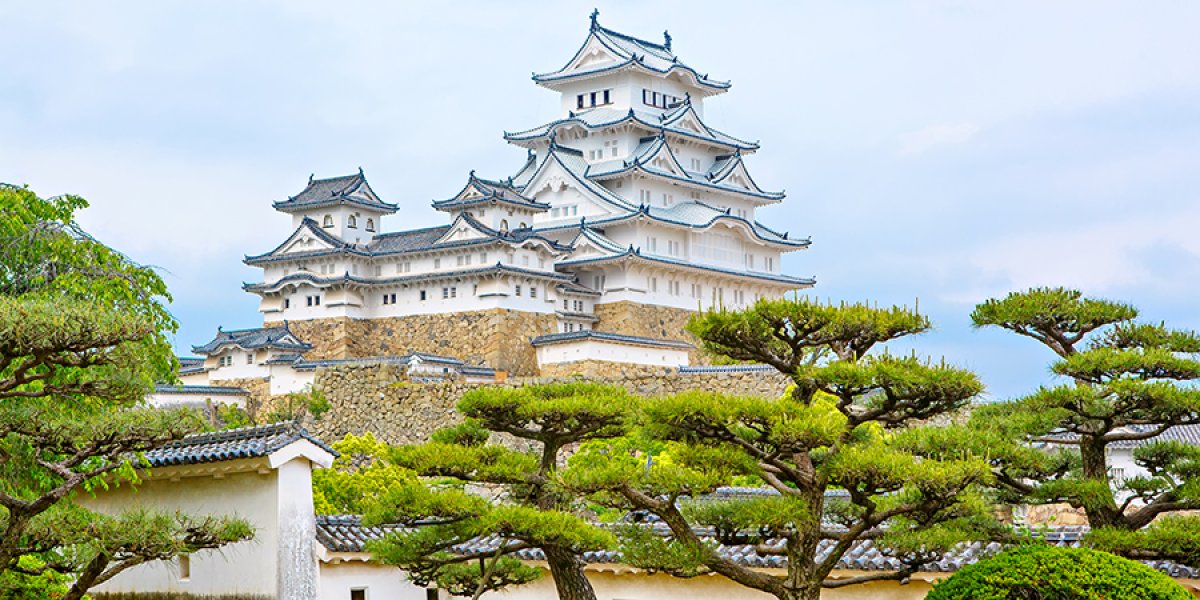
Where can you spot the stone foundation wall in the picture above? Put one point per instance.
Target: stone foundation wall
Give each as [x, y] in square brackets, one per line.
[497, 338]
[645, 320]
[259, 389]
[379, 399]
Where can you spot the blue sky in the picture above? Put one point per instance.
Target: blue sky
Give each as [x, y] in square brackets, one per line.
[935, 151]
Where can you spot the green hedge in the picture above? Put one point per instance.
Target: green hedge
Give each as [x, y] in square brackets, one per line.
[1042, 572]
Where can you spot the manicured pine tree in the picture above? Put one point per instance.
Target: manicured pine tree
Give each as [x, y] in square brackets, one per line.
[845, 452]
[1126, 382]
[491, 491]
[82, 340]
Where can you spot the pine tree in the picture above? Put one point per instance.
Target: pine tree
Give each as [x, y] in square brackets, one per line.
[82, 339]
[1128, 382]
[845, 452]
[491, 492]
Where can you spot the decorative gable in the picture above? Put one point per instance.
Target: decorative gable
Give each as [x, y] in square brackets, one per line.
[593, 55]
[462, 230]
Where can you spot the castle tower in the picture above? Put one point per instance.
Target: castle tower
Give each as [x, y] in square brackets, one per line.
[629, 213]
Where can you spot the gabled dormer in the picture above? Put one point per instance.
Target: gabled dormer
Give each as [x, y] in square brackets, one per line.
[496, 204]
[345, 207]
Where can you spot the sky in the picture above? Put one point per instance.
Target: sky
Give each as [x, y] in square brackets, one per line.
[937, 153]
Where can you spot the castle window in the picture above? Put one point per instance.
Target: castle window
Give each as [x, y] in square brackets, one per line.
[475, 289]
[461, 259]
[370, 224]
[422, 295]
[533, 292]
[518, 290]
[503, 225]
[249, 358]
[579, 306]
[437, 263]
[454, 292]
[378, 270]
[287, 303]
[185, 567]
[522, 225]
[358, 594]
[352, 222]
[579, 101]
[606, 97]
[565, 305]
[483, 258]
[328, 222]
[313, 300]
[593, 98]
[445, 293]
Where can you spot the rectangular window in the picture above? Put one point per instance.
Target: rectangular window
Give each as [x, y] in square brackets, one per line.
[533, 292]
[309, 300]
[454, 292]
[579, 306]
[579, 101]
[423, 295]
[249, 358]
[185, 567]
[593, 98]
[606, 99]
[358, 594]
[518, 290]
[565, 305]
[653, 284]
[645, 96]
[437, 263]
[654, 98]
[378, 270]
[460, 260]
[483, 258]
[445, 293]
[287, 303]
[431, 594]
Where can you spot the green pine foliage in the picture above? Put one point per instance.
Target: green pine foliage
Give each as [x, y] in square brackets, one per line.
[1124, 382]
[83, 337]
[463, 485]
[846, 451]
[1042, 572]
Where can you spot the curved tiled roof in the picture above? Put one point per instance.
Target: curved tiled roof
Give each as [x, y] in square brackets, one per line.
[490, 192]
[600, 118]
[346, 189]
[604, 336]
[201, 390]
[632, 52]
[345, 533]
[633, 254]
[249, 442]
[639, 159]
[347, 279]
[260, 337]
[698, 370]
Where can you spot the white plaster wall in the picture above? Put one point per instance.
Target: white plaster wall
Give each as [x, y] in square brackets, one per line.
[286, 380]
[297, 576]
[638, 586]
[243, 568]
[239, 369]
[381, 582]
[178, 399]
[568, 352]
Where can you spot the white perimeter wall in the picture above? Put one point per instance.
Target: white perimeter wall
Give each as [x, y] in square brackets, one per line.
[567, 352]
[242, 568]
[381, 582]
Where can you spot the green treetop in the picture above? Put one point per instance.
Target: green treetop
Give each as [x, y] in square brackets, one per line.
[476, 490]
[843, 451]
[1128, 383]
[82, 339]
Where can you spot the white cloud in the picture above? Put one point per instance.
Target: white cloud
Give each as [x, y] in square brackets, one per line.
[1104, 258]
[924, 140]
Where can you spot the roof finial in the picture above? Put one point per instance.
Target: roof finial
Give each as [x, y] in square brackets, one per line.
[360, 170]
[595, 14]
[310, 176]
[667, 40]
[472, 174]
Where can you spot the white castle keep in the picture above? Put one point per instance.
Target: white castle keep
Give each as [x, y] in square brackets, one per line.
[627, 204]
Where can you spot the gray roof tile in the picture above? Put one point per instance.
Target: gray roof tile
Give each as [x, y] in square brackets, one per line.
[249, 442]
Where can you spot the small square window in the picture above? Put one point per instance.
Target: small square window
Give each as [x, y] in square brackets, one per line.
[358, 594]
[423, 295]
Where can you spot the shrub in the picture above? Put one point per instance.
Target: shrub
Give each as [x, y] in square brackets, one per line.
[1042, 572]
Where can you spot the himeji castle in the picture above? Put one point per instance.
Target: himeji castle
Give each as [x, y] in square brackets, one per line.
[629, 213]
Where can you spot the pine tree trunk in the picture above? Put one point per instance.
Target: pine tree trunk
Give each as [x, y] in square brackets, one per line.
[567, 571]
[1102, 511]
